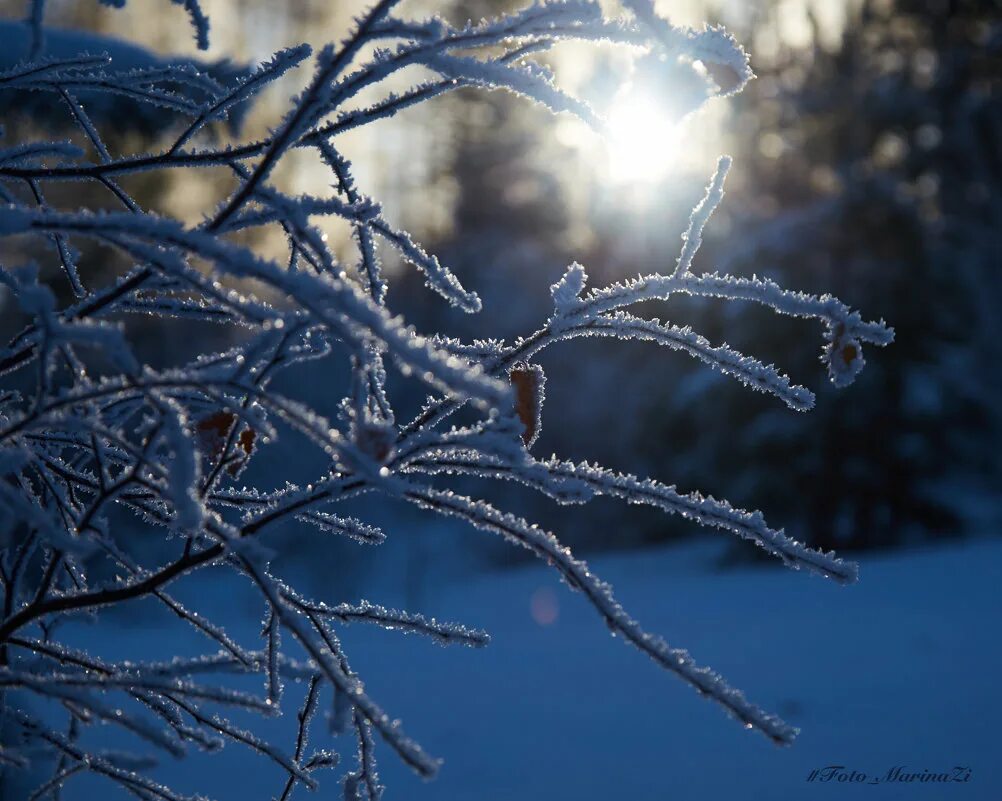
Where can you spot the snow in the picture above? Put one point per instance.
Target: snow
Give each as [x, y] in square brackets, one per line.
[899, 669]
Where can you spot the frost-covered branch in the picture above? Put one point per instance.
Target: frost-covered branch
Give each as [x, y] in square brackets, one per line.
[90, 436]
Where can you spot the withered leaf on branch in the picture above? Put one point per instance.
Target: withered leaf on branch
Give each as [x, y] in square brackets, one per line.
[213, 432]
[529, 382]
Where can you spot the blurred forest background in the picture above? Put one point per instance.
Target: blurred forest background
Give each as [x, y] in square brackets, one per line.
[868, 163]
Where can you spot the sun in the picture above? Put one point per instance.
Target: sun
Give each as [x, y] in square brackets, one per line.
[642, 138]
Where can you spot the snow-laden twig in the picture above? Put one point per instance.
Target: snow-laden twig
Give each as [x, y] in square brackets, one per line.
[408, 622]
[579, 577]
[92, 433]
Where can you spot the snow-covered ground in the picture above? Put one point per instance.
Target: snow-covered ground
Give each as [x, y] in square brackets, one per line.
[900, 670]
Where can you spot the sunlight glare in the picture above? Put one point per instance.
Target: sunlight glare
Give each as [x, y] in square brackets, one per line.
[643, 138]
